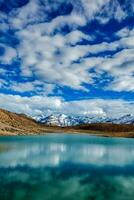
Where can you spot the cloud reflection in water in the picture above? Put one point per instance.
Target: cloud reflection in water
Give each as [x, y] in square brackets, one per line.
[52, 153]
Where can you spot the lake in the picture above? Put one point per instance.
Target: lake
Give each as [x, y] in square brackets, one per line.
[66, 167]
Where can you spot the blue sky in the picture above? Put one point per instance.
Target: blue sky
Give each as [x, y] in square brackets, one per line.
[72, 57]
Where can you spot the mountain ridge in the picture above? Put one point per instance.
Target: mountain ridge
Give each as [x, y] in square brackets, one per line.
[11, 122]
[71, 120]
[20, 124]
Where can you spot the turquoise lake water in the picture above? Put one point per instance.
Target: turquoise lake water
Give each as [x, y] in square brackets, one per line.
[66, 167]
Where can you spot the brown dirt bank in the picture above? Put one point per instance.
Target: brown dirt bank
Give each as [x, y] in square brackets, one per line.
[70, 130]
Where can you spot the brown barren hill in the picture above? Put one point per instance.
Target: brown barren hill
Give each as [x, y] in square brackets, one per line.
[108, 129]
[14, 124]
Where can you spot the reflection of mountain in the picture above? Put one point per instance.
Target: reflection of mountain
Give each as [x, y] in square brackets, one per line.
[51, 151]
[65, 120]
[67, 167]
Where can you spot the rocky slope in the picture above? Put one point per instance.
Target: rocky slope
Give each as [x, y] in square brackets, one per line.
[12, 123]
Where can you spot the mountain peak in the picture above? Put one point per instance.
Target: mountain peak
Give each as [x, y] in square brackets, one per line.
[71, 120]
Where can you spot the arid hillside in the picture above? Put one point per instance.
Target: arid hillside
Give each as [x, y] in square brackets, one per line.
[107, 127]
[12, 123]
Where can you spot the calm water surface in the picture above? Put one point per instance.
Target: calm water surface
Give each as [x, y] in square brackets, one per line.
[66, 167]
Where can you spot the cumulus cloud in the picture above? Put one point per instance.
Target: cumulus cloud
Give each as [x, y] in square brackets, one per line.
[125, 32]
[87, 10]
[30, 105]
[121, 68]
[109, 108]
[8, 54]
[38, 86]
[40, 11]
[22, 87]
[36, 105]
[111, 9]
[59, 59]
[51, 57]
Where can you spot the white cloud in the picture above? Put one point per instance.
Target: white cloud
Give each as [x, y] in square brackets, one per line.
[51, 57]
[111, 10]
[83, 11]
[21, 17]
[8, 55]
[3, 83]
[121, 68]
[30, 105]
[91, 7]
[125, 32]
[47, 105]
[22, 87]
[37, 87]
[77, 36]
[110, 108]
[56, 59]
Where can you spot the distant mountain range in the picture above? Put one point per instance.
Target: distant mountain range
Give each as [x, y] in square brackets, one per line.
[20, 124]
[70, 120]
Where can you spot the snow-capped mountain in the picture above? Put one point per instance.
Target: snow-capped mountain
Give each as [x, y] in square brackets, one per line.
[70, 120]
[67, 120]
[57, 120]
[126, 119]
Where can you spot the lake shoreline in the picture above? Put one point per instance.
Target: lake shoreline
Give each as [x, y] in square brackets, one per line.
[51, 130]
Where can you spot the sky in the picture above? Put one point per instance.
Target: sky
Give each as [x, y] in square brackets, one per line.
[67, 56]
